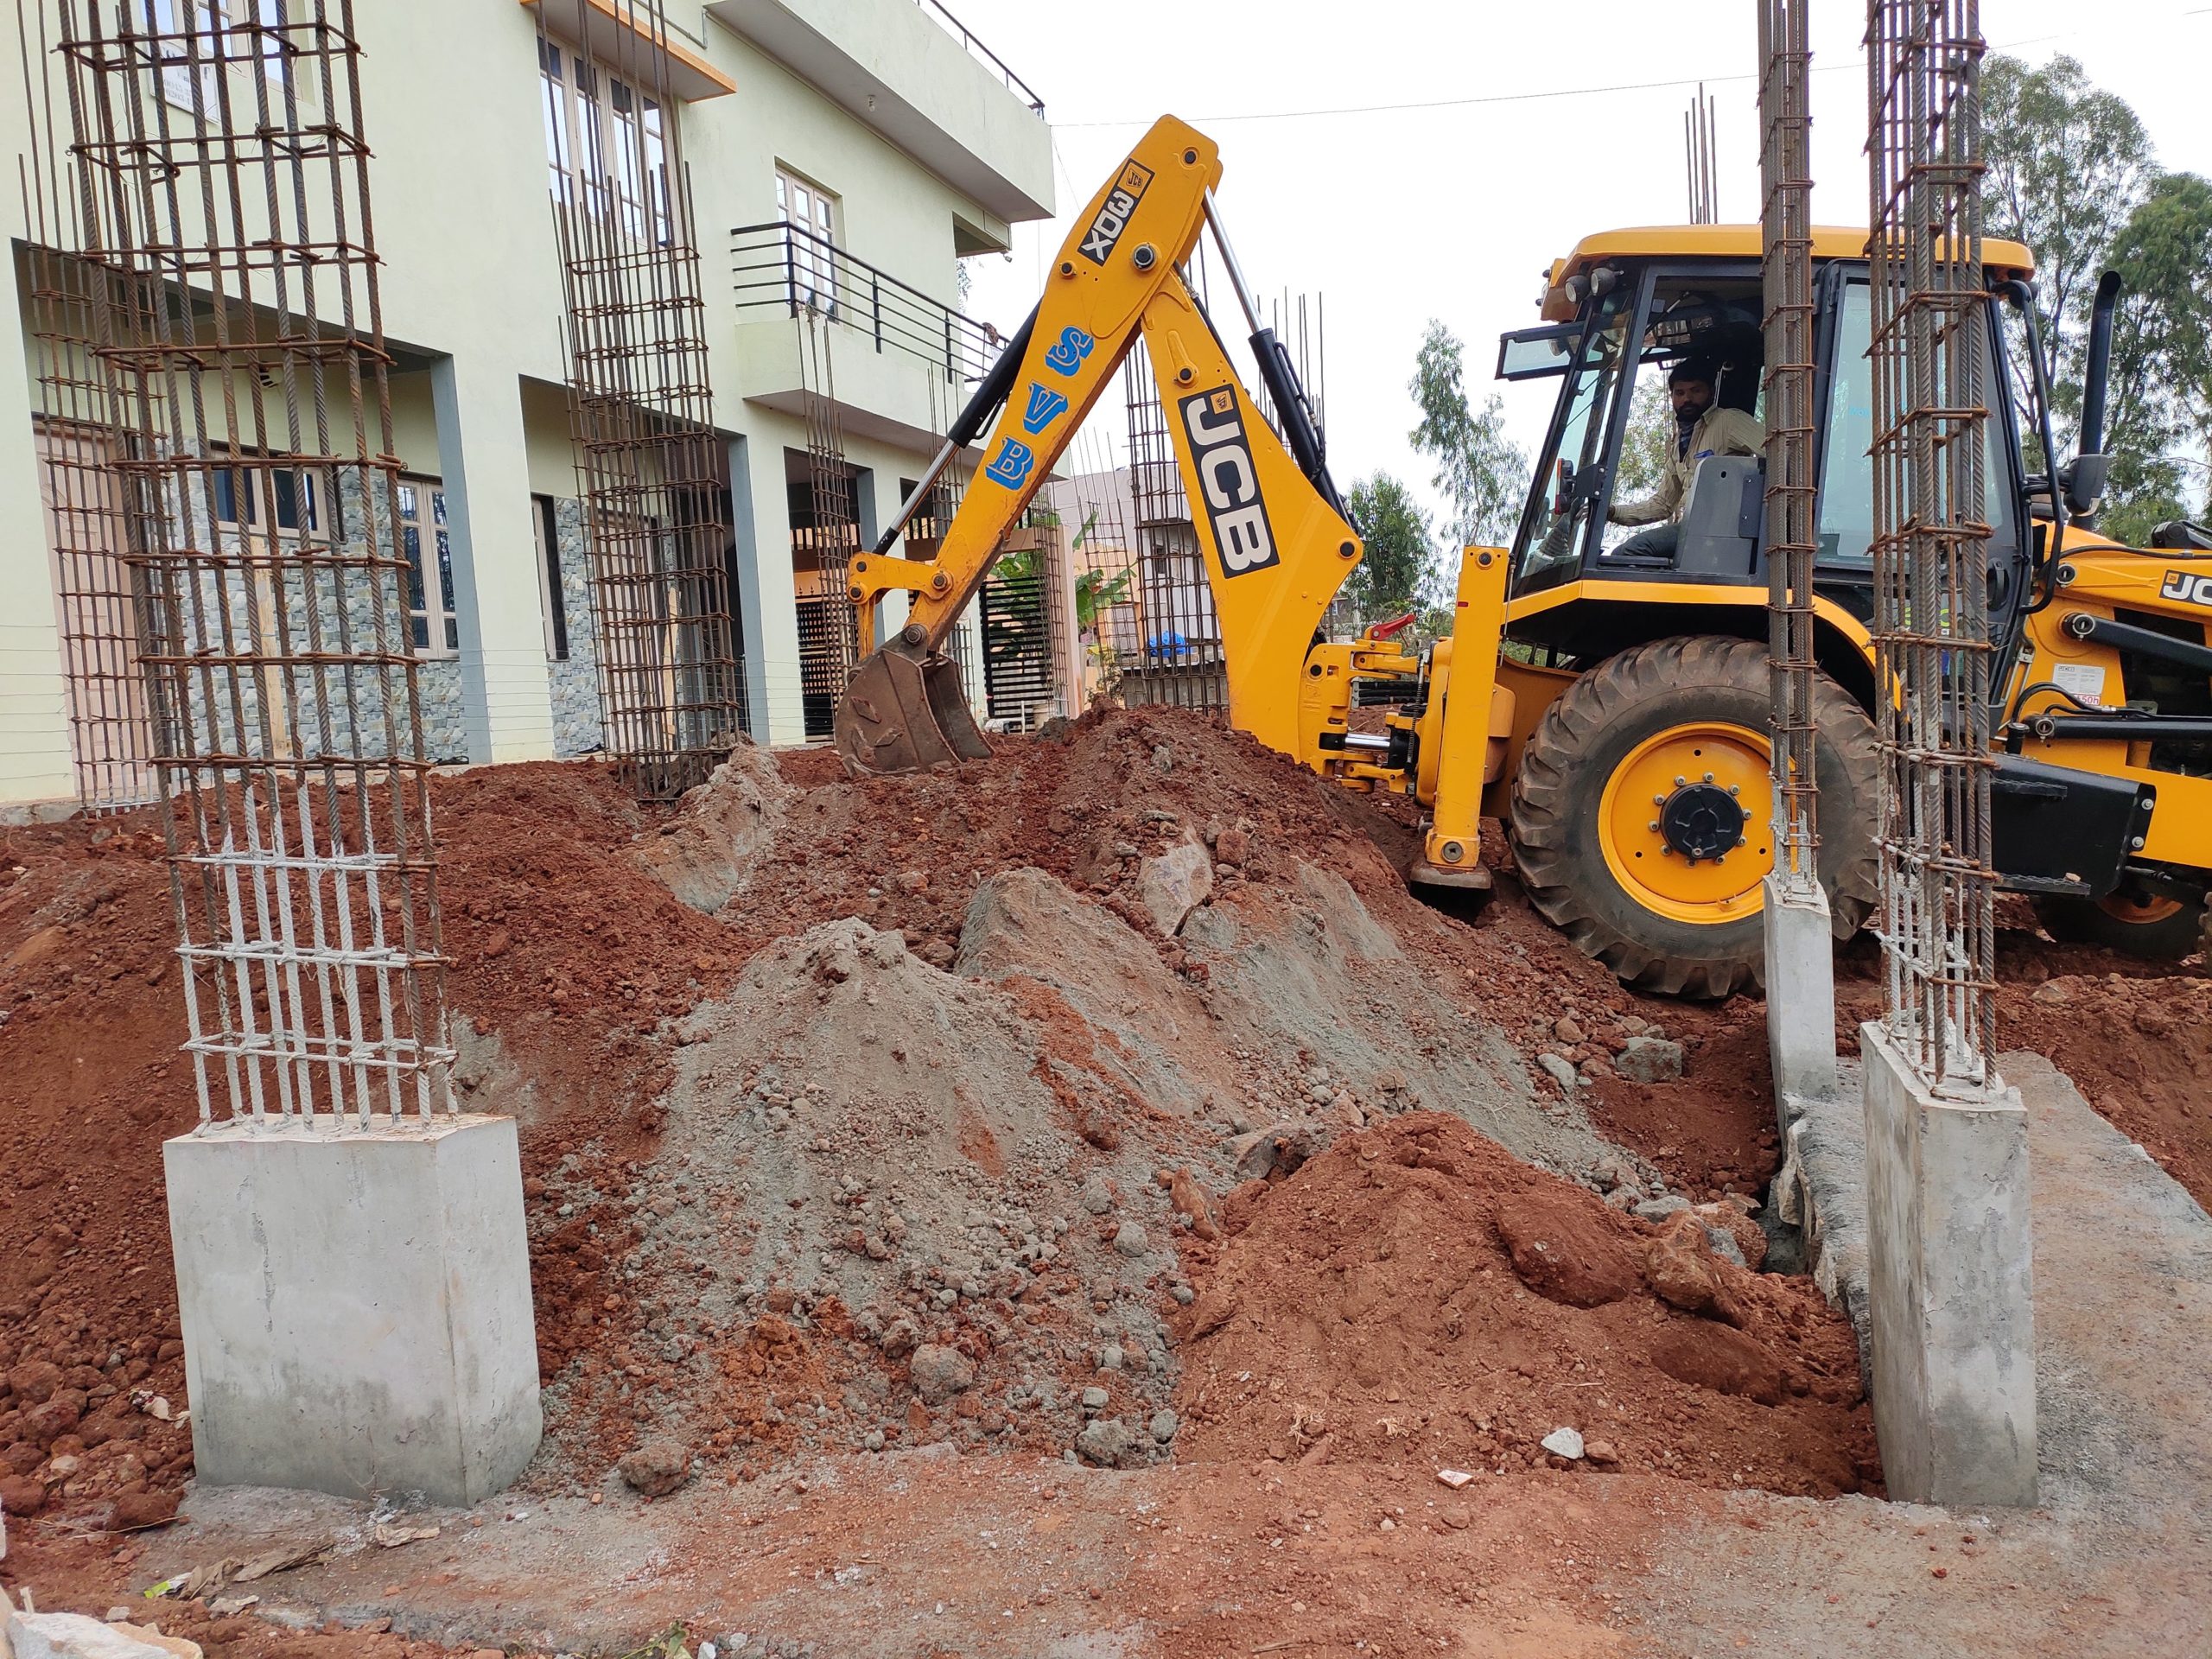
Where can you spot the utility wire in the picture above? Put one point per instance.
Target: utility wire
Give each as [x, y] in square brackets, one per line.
[1527, 98]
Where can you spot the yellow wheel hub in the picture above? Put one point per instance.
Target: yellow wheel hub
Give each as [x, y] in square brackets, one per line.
[2140, 909]
[1684, 821]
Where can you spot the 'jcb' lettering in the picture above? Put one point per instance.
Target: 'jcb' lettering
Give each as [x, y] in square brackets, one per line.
[2187, 587]
[1113, 215]
[1227, 479]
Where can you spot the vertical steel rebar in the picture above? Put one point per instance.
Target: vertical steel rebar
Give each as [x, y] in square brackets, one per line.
[652, 470]
[830, 648]
[1786, 269]
[221, 172]
[1930, 352]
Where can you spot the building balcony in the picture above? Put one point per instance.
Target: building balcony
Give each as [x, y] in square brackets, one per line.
[910, 73]
[898, 363]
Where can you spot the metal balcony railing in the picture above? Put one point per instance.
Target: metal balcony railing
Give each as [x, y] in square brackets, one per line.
[977, 49]
[790, 269]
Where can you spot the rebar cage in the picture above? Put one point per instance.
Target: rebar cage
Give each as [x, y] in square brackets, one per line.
[1931, 533]
[652, 470]
[228, 271]
[1786, 266]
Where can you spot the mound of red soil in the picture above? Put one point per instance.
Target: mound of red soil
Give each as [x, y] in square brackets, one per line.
[1374, 1306]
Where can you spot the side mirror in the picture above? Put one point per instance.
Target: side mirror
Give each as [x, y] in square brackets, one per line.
[2083, 478]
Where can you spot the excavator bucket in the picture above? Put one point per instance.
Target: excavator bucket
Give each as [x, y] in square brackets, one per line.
[905, 712]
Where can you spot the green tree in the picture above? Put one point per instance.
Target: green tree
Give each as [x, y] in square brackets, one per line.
[1399, 552]
[1481, 473]
[2071, 172]
[2068, 164]
[2161, 392]
[1645, 445]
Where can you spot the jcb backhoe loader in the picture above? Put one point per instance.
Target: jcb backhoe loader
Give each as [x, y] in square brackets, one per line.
[1608, 704]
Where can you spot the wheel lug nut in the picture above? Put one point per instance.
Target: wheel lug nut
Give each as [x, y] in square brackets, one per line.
[1735, 789]
[1679, 782]
[1708, 777]
[1653, 825]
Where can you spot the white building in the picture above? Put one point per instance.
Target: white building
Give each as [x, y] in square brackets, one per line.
[878, 125]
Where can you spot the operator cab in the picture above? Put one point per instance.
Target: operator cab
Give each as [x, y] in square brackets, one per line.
[1622, 309]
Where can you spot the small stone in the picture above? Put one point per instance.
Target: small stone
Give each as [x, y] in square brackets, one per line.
[1600, 1452]
[940, 1372]
[1163, 758]
[1457, 1516]
[1659, 1209]
[1455, 1479]
[2052, 990]
[1164, 1425]
[1109, 1357]
[1724, 1245]
[1183, 1294]
[1650, 1059]
[1612, 1171]
[136, 1510]
[1106, 1442]
[1564, 1443]
[1129, 1239]
[1232, 847]
[1175, 884]
[1568, 1029]
[1625, 1198]
[1095, 1399]
[1096, 1197]
[656, 1468]
[1559, 1070]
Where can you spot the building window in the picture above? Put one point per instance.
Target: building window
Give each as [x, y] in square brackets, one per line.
[200, 37]
[809, 208]
[432, 628]
[606, 145]
[554, 608]
[249, 497]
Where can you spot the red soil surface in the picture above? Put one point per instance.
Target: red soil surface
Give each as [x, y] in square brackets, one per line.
[573, 957]
[1415, 1295]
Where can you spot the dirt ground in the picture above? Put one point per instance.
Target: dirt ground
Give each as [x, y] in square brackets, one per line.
[838, 1156]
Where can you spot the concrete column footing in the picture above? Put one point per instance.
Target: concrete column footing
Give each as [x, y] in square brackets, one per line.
[1950, 1286]
[1799, 992]
[356, 1306]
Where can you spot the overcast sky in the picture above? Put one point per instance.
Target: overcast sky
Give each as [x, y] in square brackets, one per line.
[1452, 211]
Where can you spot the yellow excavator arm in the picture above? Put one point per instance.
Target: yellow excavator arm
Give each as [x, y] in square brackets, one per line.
[1272, 531]
[1275, 542]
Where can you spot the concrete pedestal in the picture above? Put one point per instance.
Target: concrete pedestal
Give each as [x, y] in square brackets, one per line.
[1950, 1286]
[1800, 994]
[356, 1308]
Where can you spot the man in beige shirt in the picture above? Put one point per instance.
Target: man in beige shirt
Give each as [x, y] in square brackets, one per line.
[1702, 427]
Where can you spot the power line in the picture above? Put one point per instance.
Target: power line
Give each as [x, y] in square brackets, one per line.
[1527, 98]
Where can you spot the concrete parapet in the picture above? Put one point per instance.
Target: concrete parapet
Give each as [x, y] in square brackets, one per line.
[1800, 993]
[1950, 1286]
[356, 1306]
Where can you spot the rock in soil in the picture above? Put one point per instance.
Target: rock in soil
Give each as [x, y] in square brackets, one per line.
[656, 1468]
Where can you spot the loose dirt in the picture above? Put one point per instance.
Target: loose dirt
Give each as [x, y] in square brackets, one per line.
[901, 1113]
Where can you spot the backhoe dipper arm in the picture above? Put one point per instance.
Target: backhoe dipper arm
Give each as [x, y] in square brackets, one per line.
[1275, 550]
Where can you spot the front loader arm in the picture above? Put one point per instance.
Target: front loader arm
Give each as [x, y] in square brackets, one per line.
[1275, 547]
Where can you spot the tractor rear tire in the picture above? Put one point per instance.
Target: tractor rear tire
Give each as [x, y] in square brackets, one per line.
[1698, 702]
[2147, 927]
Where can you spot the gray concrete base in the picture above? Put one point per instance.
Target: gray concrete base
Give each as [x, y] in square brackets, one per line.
[356, 1306]
[1799, 992]
[1950, 1286]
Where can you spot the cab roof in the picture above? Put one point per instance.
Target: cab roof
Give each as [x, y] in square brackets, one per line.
[2002, 259]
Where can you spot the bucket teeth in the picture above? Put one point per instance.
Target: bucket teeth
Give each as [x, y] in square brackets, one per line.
[903, 713]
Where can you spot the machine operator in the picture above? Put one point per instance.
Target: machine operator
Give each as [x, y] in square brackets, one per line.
[1702, 427]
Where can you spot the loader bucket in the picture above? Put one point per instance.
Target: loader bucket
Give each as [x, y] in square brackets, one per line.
[904, 713]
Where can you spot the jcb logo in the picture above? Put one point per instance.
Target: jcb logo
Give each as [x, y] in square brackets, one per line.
[2187, 587]
[1222, 460]
[1113, 218]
